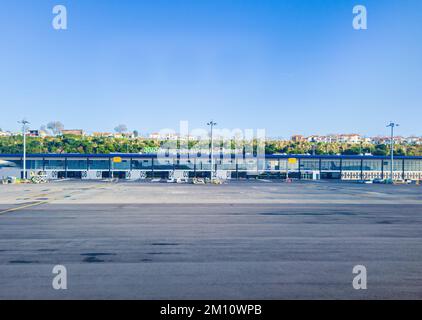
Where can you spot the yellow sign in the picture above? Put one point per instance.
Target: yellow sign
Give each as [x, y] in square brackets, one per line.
[292, 160]
[117, 160]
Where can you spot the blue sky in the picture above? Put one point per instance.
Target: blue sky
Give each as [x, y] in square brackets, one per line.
[288, 66]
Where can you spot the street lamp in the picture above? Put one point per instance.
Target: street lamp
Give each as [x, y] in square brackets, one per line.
[392, 125]
[24, 127]
[212, 124]
[313, 146]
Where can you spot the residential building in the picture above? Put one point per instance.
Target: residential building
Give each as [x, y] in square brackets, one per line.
[74, 132]
[298, 138]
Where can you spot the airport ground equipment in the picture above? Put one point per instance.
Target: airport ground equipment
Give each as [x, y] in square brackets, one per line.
[38, 177]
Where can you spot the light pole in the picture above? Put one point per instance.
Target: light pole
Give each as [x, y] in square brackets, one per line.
[392, 125]
[24, 123]
[212, 124]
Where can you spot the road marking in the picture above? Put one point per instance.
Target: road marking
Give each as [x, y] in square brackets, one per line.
[23, 207]
[38, 203]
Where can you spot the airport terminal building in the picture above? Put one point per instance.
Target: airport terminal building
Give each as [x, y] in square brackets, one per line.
[144, 166]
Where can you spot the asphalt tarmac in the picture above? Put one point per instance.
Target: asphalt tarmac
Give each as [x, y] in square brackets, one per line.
[250, 240]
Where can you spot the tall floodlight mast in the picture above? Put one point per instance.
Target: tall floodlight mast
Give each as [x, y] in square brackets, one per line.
[392, 125]
[212, 124]
[24, 124]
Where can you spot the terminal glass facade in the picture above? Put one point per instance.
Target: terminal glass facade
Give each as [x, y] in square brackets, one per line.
[132, 166]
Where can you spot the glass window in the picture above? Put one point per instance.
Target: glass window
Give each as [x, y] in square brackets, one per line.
[247, 164]
[351, 165]
[184, 164]
[203, 164]
[34, 164]
[54, 165]
[99, 164]
[271, 165]
[77, 164]
[372, 165]
[141, 164]
[227, 164]
[294, 166]
[163, 164]
[330, 165]
[283, 164]
[413, 165]
[307, 164]
[398, 165]
[123, 165]
[12, 163]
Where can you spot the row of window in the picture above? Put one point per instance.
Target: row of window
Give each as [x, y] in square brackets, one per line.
[131, 164]
[225, 164]
[357, 165]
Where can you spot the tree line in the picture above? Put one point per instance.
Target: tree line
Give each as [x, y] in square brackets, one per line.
[105, 145]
